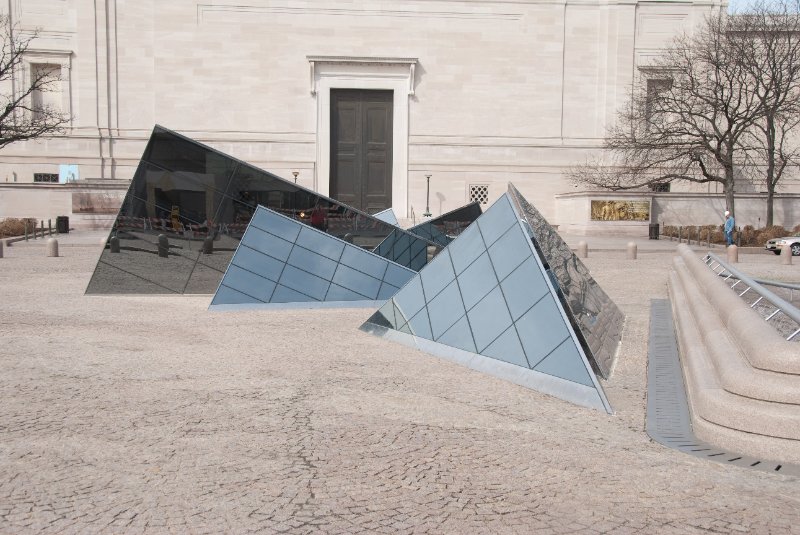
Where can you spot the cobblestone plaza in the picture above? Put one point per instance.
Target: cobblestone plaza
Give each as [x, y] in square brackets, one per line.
[149, 414]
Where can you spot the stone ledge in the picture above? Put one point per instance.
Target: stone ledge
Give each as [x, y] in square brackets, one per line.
[735, 372]
[760, 344]
[732, 404]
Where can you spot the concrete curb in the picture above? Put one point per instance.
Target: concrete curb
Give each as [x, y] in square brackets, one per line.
[732, 403]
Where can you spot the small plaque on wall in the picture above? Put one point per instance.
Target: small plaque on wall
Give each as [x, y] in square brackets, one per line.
[620, 211]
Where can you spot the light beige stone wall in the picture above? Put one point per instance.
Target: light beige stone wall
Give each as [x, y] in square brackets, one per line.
[501, 91]
[678, 208]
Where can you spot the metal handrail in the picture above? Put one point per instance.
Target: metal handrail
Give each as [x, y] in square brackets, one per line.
[780, 304]
[779, 284]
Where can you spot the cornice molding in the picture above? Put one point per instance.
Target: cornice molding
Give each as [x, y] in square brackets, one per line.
[381, 61]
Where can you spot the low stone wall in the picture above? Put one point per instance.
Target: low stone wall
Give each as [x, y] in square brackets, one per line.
[742, 377]
[88, 204]
[573, 211]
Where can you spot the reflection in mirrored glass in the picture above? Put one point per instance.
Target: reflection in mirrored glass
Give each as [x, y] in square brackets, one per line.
[201, 201]
[497, 306]
[596, 319]
[447, 227]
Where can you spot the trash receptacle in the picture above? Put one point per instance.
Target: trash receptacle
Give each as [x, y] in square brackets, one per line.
[62, 224]
[653, 231]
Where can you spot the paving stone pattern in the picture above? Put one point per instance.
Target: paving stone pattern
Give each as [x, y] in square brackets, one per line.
[148, 414]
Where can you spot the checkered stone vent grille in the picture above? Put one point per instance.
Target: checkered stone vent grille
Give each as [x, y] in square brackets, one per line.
[479, 193]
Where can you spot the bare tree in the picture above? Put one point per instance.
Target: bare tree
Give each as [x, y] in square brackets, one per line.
[767, 40]
[685, 121]
[23, 115]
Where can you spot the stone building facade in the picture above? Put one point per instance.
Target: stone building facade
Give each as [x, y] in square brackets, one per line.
[475, 93]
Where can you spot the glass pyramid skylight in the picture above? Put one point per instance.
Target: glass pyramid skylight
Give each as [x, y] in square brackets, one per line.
[281, 262]
[487, 301]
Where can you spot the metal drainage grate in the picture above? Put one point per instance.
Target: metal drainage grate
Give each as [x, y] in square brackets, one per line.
[668, 420]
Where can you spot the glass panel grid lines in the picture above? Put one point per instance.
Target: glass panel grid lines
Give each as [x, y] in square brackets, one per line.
[282, 261]
[489, 304]
[444, 229]
[597, 320]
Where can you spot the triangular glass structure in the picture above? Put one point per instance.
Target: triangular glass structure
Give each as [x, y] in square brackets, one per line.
[486, 301]
[187, 200]
[597, 320]
[445, 228]
[281, 262]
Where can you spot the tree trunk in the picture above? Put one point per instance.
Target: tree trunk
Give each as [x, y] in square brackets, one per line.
[770, 199]
[729, 191]
[770, 167]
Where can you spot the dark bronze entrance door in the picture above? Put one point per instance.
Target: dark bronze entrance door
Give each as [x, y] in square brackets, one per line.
[361, 148]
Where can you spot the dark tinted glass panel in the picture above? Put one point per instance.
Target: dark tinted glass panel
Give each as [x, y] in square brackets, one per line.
[252, 187]
[160, 207]
[191, 193]
[445, 228]
[595, 317]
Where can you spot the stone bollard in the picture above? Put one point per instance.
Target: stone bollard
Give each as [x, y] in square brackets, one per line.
[583, 249]
[208, 245]
[733, 254]
[1, 248]
[632, 250]
[163, 246]
[113, 244]
[786, 255]
[52, 247]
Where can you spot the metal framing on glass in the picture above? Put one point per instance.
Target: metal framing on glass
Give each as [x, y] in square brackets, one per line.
[596, 318]
[282, 263]
[487, 301]
[447, 227]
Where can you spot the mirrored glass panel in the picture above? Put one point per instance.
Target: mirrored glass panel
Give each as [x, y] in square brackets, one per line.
[596, 319]
[201, 201]
[487, 294]
[447, 227]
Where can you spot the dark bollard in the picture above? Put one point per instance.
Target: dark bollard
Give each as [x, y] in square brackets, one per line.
[41, 227]
[49, 227]
[1, 248]
[113, 244]
[208, 245]
[26, 230]
[163, 246]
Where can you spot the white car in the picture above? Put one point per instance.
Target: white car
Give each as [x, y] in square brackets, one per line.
[778, 243]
